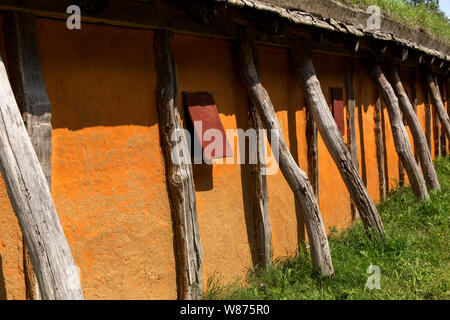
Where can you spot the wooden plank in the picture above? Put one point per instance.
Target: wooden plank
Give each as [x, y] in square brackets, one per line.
[189, 253]
[401, 139]
[32, 202]
[28, 85]
[330, 134]
[260, 192]
[295, 177]
[420, 141]
[380, 150]
[438, 104]
[351, 127]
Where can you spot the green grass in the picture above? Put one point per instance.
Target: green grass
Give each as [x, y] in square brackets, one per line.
[414, 261]
[418, 17]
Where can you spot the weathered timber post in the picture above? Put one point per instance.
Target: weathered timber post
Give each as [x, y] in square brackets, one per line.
[443, 139]
[401, 140]
[179, 174]
[28, 85]
[260, 192]
[436, 136]
[380, 150]
[351, 129]
[437, 103]
[329, 131]
[295, 177]
[313, 152]
[32, 202]
[428, 120]
[420, 141]
[413, 83]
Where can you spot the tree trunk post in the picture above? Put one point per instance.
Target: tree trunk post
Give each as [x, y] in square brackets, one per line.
[401, 140]
[329, 131]
[351, 129]
[438, 104]
[28, 86]
[313, 152]
[189, 253]
[380, 150]
[260, 192]
[428, 120]
[296, 178]
[420, 141]
[32, 201]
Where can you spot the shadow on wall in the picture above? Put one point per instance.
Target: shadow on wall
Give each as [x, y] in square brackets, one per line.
[2, 282]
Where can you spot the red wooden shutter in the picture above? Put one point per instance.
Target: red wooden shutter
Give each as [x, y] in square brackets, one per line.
[201, 107]
[337, 108]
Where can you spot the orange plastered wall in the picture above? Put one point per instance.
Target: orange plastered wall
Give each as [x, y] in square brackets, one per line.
[108, 180]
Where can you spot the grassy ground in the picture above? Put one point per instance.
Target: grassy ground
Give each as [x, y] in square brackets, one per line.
[414, 261]
[414, 16]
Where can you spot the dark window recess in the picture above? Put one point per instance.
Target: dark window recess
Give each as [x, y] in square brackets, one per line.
[337, 108]
[202, 115]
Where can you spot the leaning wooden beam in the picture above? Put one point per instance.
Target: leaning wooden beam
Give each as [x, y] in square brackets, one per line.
[438, 104]
[329, 131]
[380, 150]
[31, 95]
[260, 192]
[294, 176]
[401, 140]
[420, 141]
[32, 202]
[179, 172]
[351, 129]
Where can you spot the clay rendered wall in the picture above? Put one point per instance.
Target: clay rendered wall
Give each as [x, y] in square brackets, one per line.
[108, 175]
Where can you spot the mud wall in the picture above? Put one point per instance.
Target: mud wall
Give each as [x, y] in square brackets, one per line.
[108, 175]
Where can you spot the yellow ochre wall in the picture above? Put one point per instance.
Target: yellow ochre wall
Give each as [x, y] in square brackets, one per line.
[108, 173]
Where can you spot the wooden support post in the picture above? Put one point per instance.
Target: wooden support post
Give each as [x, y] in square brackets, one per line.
[420, 141]
[443, 139]
[329, 131]
[295, 177]
[401, 140]
[380, 150]
[28, 86]
[441, 129]
[438, 104]
[179, 174]
[413, 83]
[313, 152]
[436, 135]
[351, 129]
[32, 202]
[428, 120]
[260, 193]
